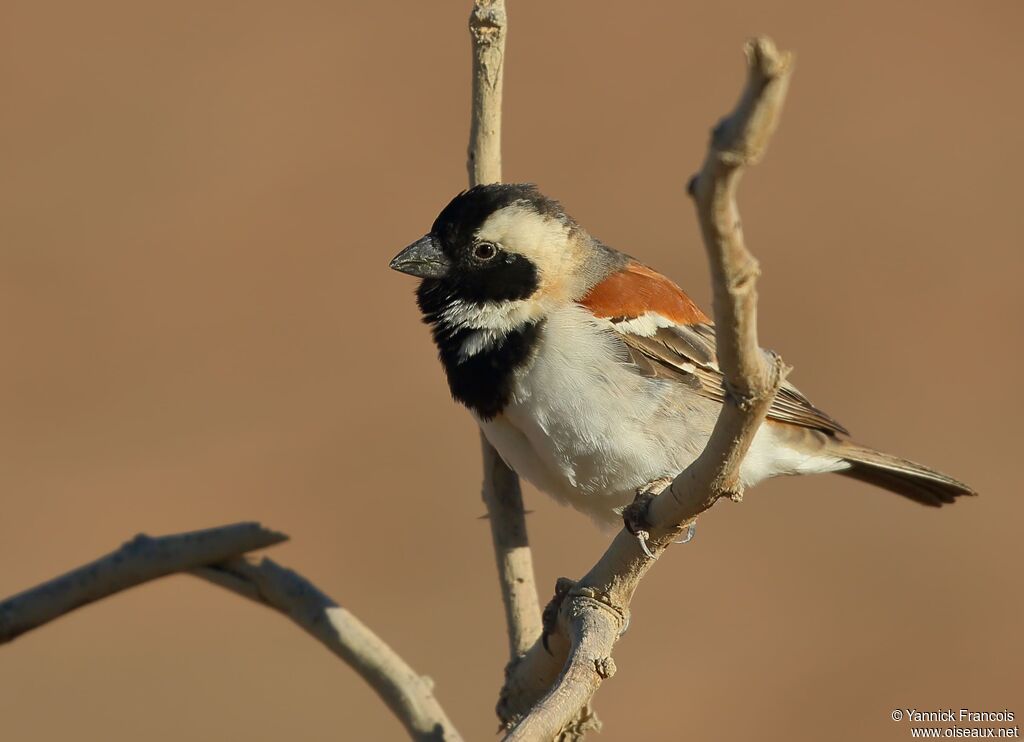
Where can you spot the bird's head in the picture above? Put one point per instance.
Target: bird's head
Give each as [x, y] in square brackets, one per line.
[497, 256]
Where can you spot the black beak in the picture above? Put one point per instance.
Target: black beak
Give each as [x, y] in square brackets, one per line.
[423, 259]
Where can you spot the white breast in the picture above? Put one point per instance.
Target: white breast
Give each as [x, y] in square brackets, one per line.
[582, 425]
[586, 428]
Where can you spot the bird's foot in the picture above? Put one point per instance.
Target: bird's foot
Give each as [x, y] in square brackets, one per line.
[634, 515]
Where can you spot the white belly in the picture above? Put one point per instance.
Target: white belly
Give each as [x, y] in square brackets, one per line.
[590, 432]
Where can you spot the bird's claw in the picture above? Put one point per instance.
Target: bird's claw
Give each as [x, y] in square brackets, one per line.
[634, 518]
[642, 537]
[690, 530]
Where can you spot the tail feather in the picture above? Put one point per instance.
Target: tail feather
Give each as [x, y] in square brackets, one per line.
[917, 482]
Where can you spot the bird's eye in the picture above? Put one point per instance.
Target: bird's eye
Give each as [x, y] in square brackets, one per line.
[485, 250]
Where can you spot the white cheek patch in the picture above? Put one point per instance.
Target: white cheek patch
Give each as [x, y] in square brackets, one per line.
[543, 240]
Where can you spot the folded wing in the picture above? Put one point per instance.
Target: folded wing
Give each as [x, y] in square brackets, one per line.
[668, 336]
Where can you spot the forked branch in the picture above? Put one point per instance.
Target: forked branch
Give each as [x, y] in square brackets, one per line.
[595, 610]
[217, 555]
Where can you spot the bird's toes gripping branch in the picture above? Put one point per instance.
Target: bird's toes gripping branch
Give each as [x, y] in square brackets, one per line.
[634, 518]
[635, 515]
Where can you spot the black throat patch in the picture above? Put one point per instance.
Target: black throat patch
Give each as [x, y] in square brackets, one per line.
[482, 381]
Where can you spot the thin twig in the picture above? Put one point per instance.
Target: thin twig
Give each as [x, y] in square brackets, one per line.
[504, 500]
[594, 613]
[488, 25]
[501, 491]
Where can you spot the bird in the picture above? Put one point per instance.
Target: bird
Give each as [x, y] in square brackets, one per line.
[593, 375]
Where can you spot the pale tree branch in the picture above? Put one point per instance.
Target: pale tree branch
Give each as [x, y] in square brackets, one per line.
[501, 491]
[409, 695]
[593, 612]
[140, 560]
[488, 24]
[504, 499]
[217, 555]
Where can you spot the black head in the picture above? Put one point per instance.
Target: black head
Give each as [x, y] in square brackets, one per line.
[488, 244]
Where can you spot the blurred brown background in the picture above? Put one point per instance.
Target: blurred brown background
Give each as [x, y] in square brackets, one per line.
[198, 202]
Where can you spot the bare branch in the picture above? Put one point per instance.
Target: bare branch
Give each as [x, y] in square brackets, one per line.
[215, 554]
[595, 610]
[752, 376]
[487, 26]
[501, 491]
[504, 500]
[140, 560]
[409, 695]
[592, 631]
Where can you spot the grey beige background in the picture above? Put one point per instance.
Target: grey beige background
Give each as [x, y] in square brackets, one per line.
[197, 205]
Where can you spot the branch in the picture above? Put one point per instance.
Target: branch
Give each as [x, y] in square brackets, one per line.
[140, 560]
[215, 555]
[487, 26]
[501, 492]
[504, 500]
[594, 611]
[409, 695]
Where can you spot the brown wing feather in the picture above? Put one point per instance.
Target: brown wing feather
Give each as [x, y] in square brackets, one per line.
[636, 290]
[685, 350]
[687, 354]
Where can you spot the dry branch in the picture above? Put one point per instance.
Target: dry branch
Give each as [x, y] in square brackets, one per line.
[594, 611]
[501, 491]
[488, 24]
[216, 554]
[409, 695]
[140, 560]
